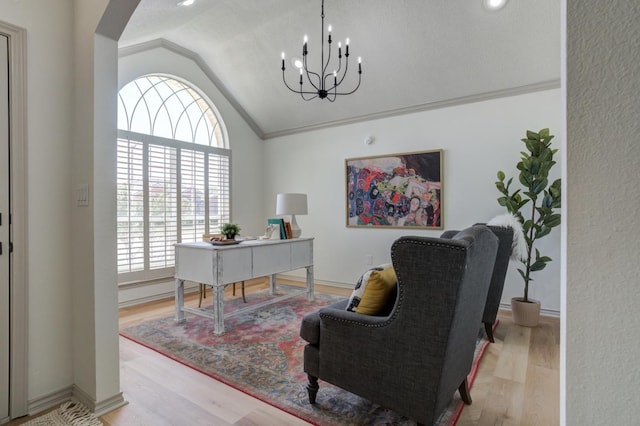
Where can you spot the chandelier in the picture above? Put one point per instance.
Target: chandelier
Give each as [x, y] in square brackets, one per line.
[323, 84]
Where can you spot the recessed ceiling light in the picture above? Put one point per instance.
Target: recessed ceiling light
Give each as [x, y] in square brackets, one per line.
[493, 5]
[186, 2]
[296, 62]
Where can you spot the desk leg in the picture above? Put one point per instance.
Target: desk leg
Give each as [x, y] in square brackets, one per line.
[272, 284]
[218, 309]
[179, 300]
[309, 283]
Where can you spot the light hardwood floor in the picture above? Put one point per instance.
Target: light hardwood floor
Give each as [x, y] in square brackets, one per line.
[517, 381]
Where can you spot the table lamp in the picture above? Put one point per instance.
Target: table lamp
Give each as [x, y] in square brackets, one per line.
[292, 204]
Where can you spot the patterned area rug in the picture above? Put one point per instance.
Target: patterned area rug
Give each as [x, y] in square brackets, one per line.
[261, 355]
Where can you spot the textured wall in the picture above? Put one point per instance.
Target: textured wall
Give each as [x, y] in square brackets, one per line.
[603, 159]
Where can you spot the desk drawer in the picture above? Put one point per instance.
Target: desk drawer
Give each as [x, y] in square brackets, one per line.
[235, 265]
[271, 259]
[301, 254]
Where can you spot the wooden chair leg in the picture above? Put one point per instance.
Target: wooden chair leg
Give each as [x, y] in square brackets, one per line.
[203, 294]
[464, 392]
[312, 388]
[488, 328]
[244, 299]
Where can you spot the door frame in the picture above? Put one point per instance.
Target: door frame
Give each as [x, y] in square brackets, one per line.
[18, 356]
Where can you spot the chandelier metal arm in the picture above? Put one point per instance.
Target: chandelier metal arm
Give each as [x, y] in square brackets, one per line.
[348, 93]
[333, 95]
[346, 68]
[306, 69]
[297, 91]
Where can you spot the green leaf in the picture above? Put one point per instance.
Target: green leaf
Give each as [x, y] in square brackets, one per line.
[543, 232]
[531, 145]
[537, 266]
[501, 175]
[544, 133]
[532, 135]
[539, 185]
[522, 274]
[552, 221]
[534, 166]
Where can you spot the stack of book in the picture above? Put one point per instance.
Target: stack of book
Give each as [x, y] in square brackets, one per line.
[285, 227]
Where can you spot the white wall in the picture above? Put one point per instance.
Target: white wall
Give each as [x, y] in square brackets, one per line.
[478, 140]
[49, 88]
[602, 325]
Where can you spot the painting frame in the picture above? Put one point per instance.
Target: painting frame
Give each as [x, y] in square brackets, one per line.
[395, 191]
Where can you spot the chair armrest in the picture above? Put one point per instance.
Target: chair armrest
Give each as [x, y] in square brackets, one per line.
[310, 326]
[331, 314]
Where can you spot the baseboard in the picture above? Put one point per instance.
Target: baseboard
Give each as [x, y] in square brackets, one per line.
[50, 400]
[303, 280]
[99, 408]
[154, 297]
[54, 399]
[543, 312]
[190, 288]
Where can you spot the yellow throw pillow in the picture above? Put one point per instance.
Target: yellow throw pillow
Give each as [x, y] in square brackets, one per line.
[376, 293]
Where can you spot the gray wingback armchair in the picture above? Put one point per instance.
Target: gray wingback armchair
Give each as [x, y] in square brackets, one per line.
[414, 357]
[505, 238]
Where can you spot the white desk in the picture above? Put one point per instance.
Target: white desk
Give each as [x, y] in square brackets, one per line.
[219, 266]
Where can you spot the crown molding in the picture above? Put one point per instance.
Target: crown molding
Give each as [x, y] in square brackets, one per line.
[463, 100]
[515, 91]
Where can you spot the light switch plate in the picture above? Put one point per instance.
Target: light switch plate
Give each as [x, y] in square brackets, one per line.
[82, 195]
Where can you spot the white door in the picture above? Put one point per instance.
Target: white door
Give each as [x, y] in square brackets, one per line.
[4, 228]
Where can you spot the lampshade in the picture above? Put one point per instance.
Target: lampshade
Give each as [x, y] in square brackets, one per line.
[291, 204]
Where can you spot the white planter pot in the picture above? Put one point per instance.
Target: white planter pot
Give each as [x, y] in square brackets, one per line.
[526, 314]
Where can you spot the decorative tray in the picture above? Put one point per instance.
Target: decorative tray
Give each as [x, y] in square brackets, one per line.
[225, 242]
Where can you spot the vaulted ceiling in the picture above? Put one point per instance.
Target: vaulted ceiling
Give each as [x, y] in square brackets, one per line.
[416, 54]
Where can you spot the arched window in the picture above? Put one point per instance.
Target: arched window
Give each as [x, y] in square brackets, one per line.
[173, 174]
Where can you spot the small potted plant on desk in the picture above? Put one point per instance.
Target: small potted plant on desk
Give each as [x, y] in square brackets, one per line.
[230, 230]
[542, 200]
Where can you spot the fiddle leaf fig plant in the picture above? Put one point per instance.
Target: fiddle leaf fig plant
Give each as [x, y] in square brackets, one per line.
[535, 202]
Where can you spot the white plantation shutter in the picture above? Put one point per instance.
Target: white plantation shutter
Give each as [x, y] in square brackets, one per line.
[193, 195]
[172, 176]
[130, 206]
[218, 190]
[163, 205]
